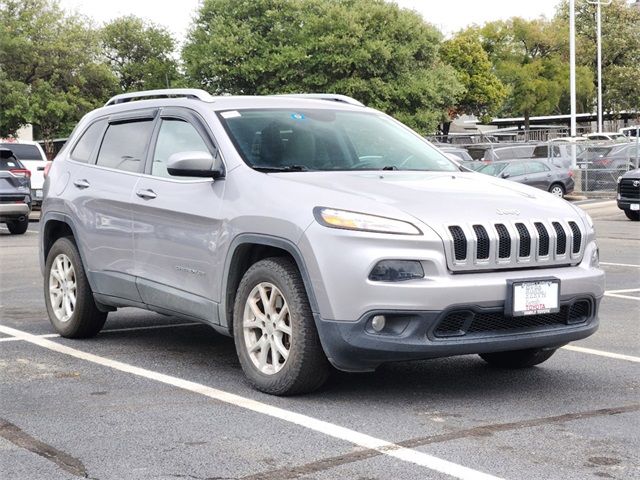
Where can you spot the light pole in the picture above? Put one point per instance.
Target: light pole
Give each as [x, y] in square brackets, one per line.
[599, 4]
[572, 77]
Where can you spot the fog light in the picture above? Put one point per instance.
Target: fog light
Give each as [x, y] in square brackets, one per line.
[378, 322]
[396, 271]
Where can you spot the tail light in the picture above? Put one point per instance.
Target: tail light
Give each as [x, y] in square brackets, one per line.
[21, 172]
[47, 167]
[571, 174]
[603, 162]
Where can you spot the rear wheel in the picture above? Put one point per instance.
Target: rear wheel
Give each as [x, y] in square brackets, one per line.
[632, 215]
[518, 358]
[18, 227]
[557, 189]
[274, 330]
[68, 296]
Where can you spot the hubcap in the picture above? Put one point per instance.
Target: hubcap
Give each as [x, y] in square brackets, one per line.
[557, 191]
[266, 326]
[62, 288]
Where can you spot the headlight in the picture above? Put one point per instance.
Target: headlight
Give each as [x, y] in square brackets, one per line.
[590, 222]
[619, 178]
[330, 217]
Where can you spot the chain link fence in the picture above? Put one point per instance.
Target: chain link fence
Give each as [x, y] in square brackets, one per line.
[600, 165]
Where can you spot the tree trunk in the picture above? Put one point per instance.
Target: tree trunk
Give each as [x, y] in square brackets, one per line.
[526, 125]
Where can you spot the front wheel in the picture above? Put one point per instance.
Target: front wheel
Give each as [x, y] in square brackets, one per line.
[18, 227]
[518, 358]
[67, 293]
[632, 215]
[274, 331]
[557, 190]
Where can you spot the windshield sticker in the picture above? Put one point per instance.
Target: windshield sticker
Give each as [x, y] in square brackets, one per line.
[231, 114]
[297, 116]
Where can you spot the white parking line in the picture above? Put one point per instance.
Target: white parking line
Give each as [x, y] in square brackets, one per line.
[626, 297]
[620, 264]
[326, 428]
[624, 290]
[112, 330]
[602, 353]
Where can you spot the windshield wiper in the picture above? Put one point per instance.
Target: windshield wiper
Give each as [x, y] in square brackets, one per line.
[287, 168]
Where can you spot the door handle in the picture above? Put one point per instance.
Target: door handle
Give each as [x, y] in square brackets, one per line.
[146, 194]
[82, 183]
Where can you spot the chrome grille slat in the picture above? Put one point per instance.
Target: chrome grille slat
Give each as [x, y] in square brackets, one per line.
[514, 244]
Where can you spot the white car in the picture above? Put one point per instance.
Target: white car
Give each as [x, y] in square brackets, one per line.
[606, 137]
[33, 158]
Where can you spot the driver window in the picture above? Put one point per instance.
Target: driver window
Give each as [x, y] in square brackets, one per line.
[175, 136]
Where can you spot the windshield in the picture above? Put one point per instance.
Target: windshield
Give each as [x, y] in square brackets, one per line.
[23, 151]
[493, 168]
[326, 140]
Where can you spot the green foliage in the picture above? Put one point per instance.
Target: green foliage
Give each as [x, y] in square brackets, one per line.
[140, 54]
[382, 55]
[484, 92]
[48, 68]
[620, 50]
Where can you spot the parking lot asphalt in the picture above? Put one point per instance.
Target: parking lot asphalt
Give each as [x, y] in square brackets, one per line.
[156, 397]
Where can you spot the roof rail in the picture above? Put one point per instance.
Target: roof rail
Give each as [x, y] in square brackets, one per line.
[333, 97]
[162, 93]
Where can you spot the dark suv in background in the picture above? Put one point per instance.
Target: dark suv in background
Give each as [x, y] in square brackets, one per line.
[15, 197]
[629, 194]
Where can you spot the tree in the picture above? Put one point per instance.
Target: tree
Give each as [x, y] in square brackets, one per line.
[140, 54]
[484, 92]
[380, 54]
[620, 50]
[531, 58]
[49, 68]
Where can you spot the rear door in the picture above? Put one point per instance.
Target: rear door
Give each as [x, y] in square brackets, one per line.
[102, 194]
[177, 223]
[539, 175]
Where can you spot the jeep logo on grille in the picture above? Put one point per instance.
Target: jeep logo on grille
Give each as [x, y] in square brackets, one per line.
[510, 211]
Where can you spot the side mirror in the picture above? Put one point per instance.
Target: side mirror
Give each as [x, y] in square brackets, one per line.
[193, 164]
[505, 175]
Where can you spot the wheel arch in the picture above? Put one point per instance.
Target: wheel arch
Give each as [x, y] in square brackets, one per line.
[244, 251]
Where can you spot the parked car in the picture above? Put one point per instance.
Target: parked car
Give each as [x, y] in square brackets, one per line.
[462, 156]
[605, 163]
[606, 137]
[33, 158]
[15, 196]
[493, 152]
[558, 154]
[629, 194]
[314, 231]
[538, 174]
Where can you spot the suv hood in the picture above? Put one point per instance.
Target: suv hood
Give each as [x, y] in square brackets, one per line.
[437, 198]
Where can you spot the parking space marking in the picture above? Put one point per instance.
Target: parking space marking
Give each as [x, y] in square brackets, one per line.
[113, 330]
[624, 290]
[330, 429]
[619, 264]
[626, 297]
[601, 353]
[617, 293]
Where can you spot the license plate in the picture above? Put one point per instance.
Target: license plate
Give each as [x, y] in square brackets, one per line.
[38, 193]
[635, 206]
[535, 297]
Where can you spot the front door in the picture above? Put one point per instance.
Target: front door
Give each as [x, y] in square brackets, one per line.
[177, 224]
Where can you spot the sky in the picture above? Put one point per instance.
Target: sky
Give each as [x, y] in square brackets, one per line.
[449, 16]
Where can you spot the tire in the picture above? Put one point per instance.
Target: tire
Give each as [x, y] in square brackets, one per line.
[64, 273]
[18, 227]
[259, 331]
[557, 189]
[518, 358]
[632, 215]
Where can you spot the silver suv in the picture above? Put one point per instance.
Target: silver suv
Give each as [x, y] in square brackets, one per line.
[313, 230]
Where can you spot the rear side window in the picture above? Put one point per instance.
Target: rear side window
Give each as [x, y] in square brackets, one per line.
[124, 145]
[9, 164]
[82, 151]
[24, 152]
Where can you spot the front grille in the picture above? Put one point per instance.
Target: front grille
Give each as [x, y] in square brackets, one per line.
[11, 198]
[525, 240]
[504, 249]
[514, 244]
[561, 245]
[483, 242]
[577, 236]
[458, 323]
[627, 190]
[459, 242]
[543, 243]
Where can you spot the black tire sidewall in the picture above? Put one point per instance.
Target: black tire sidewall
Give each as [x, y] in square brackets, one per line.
[77, 325]
[282, 382]
[17, 227]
